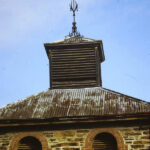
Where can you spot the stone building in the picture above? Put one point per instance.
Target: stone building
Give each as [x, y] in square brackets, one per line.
[76, 113]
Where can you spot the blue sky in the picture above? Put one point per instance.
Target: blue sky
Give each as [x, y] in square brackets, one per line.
[123, 25]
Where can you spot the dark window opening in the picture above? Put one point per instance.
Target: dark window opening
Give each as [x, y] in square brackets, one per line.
[29, 143]
[105, 141]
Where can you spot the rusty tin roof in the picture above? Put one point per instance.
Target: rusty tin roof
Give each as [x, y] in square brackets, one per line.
[74, 103]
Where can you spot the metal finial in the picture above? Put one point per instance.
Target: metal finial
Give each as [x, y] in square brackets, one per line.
[74, 8]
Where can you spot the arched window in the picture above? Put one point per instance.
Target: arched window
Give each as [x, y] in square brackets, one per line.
[29, 143]
[104, 141]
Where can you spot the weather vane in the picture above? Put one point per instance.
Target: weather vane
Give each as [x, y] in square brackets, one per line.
[74, 8]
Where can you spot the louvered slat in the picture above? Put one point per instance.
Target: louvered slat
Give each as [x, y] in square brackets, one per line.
[29, 143]
[73, 67]
[104, 141]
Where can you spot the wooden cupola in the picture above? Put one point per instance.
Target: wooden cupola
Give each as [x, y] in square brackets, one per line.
[75, 62]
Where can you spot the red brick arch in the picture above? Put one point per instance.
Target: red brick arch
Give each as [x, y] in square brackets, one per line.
[90, 138]
[14, 143]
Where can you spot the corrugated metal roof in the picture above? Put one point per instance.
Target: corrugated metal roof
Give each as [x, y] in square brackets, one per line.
[74, 102]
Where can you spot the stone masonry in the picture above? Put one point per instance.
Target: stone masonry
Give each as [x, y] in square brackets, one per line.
[130, 138]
